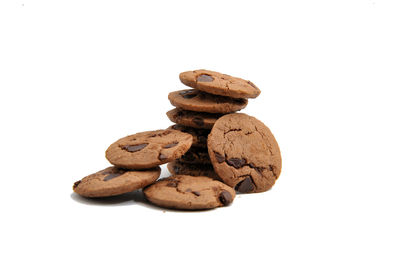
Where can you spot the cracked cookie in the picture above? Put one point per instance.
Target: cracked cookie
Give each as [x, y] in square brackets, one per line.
[178, 168]
[244, 153]
[193, 119]
[189, 192]
[219, 84]
[148, 149]
[195, 155]
[199, 135]
[115, 181]
[195, 100]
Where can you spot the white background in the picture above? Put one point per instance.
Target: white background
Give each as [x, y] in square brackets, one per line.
[77, 75]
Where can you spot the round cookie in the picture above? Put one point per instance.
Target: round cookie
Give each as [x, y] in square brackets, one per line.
[148, 149]
[189, 192]
[195, 100]
[115, 181]
[178, 168]
[195, 155]
[220, 84]
[244, 153]
[193, 119]
[199, 135]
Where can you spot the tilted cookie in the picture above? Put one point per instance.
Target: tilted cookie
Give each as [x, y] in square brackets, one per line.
[195, 100]
[148, 149]
[189, 192]
[220, 84]
[115, 181]
[193, 119]
[195, 155]
[178, 168]
[244, 153]
[199, 135]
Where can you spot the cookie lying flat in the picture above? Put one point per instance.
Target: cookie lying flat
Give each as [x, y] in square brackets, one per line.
[195, 155]
[195, 100]
[178, 168]
[115, 181]
[220, 84]
[199, 135]
[148, 149]
[193, 119]
[189, 192]
[244, 153]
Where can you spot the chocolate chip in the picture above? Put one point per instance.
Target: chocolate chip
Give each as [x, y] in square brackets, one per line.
[111, 176]
[198, 121]
[134, 148]
[225, 197]
[205, 78]
[170, 145]
[76, 184]
[251, 84]
[162, 157]
[172, 184]
[196, 193]
[246, 185]
[220, 158]
[236, 162]
[270, 167]
[188, 94]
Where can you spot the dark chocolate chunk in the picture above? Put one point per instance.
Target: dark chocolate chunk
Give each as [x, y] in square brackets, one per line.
[196, 193]
[170, 145]
[246, 185]
[111, 176]
[162, 157]
[205, 78]
[236, 162]
[76, 184]
[251, 84]
[188, 94]
[220, 158]
[198, 121]
[134, 148]
[225, 197]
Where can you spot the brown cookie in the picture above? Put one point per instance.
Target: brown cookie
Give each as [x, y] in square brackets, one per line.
[189, 192]
[244, 153]
[199, 135]
[220, 84]
[193, 119]
[178, 168]
[195, 155]
[115, 181]
[195, 100]
[148, 149]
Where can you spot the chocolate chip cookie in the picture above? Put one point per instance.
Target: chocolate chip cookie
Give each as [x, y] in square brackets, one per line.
[199, 135]
[220, 84]
[148, 149]
[244, 153]
[195, 100]
[193, 119]
[115, 181]
[195, 155]
[178, 168]
[189, 192]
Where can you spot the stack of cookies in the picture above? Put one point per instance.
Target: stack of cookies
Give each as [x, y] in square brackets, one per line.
[212, 151]
[212, 95]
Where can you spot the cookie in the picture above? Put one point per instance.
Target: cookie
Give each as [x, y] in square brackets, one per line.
[193, 119]
[189, 192]
[148, 149]
[195, 155]
[219, 84]
[199, 135]
[244, 153]
[115, 181]
[178, 168]
[195, 100]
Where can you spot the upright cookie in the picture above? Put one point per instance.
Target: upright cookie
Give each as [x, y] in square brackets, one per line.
[178, 168]
[193, 119]
[195, 100]
[115, 181]
[244, 153]
[220, 84]
[199, 135]
[148, 149]
[189, 192]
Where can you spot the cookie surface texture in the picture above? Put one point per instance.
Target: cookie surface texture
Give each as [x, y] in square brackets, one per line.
[115, 181]
[189, 192]
[244, 153]
[219, 84]
[148, 149]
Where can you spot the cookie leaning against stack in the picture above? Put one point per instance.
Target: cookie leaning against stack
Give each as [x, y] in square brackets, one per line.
[212, 96]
